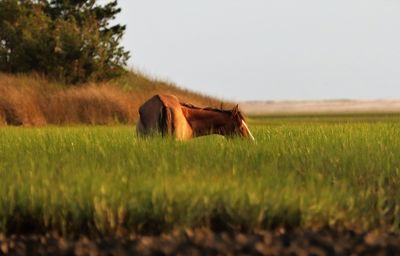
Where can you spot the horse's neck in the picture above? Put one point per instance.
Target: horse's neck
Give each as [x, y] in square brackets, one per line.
[205, 122]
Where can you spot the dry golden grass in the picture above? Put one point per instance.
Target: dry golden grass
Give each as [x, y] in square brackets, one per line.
[31, 100]
[91, 104]
[20, 101]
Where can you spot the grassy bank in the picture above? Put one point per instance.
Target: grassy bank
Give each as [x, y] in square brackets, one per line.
[35, 101]
[105, 180]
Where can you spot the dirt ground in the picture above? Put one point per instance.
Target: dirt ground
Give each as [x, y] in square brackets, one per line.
[329, 106]
[206, 242]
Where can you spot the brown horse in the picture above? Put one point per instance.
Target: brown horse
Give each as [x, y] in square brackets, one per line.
[166, 115]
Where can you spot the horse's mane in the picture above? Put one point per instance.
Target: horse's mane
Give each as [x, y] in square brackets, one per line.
[189, 105]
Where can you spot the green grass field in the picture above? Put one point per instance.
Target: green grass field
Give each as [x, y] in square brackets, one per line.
[302, 172]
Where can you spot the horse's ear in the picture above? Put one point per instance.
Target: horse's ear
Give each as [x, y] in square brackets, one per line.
[235, 110]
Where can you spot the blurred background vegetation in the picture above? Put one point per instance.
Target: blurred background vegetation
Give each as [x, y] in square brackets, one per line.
[61, 62]
[70, 41]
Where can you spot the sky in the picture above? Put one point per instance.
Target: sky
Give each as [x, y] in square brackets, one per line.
[268, 49]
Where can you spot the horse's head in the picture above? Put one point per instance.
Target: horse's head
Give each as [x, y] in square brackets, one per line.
[240, 125]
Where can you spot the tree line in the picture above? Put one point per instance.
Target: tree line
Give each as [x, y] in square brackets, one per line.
[71, 41]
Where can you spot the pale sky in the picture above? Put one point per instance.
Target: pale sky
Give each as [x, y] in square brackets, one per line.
[268, 50]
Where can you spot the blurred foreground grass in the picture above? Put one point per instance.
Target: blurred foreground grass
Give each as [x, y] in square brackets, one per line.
[104, 179]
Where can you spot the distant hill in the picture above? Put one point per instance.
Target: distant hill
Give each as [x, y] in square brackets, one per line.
[32, 100]
[320, 107]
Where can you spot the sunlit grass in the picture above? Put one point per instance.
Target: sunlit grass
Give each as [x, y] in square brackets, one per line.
[105, 179]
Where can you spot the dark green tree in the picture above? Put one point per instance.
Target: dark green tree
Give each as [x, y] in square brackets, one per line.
[68, 40]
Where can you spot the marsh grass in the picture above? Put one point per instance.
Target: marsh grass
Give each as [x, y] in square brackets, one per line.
[105, 180]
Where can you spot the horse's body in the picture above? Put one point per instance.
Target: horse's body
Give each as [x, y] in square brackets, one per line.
[163, 114]
[166, 115]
